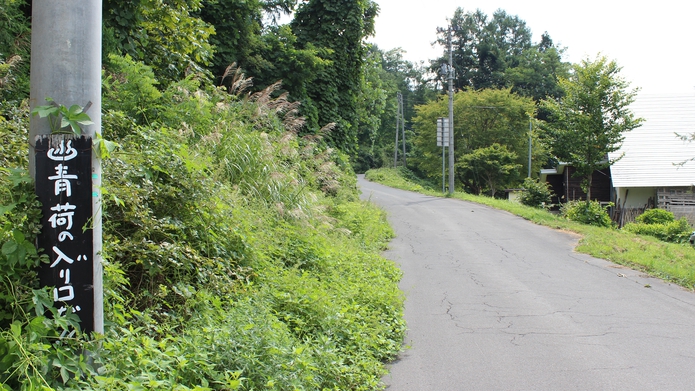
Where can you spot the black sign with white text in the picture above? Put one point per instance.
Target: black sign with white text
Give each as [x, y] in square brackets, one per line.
[64, 187]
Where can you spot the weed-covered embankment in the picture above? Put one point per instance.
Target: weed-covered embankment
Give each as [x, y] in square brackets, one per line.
[237, 254]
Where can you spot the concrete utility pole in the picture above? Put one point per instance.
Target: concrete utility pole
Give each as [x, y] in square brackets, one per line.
[402, 115]
[400, 127]
[66, 66]
[451, 115]
[530, 147]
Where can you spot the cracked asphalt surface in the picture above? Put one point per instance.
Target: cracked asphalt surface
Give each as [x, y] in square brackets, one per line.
[495, 302]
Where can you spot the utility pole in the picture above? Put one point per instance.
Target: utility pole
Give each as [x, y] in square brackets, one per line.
[66, 66]
[402, 114]
[398, 128]
[451, 114]
[530, 129]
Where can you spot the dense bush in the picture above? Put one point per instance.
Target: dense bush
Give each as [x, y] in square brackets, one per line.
[662, 225]
[536, 193]
[236, 254]
[656, 216]
[587, 212]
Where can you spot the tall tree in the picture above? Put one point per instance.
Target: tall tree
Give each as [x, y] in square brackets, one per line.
[340, 26]
[389, 73]
[481, 119]
[590, 120]
[538, 70]
[240, 28]
[483, 48]
[489, 168]
[498, 52]
[372, 104]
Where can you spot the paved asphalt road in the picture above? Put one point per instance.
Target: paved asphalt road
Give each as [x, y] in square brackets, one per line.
[494, 302]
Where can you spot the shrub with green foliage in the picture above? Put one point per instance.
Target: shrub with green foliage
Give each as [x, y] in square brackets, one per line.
[587, 212]
[536, 193]
[662, 225]
[656, 216]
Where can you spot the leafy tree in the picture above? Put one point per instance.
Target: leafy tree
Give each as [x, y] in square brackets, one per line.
[371, 106]
[484, 48]
[237, 26]
[538, 71]
[395, 75]
[239, 29]
[164, 34]
[340, 26]
[590, 120]
[498, 52]
[488, 168]
[277, 56]
[481, 119]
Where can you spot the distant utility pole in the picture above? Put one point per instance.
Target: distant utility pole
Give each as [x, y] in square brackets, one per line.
[400, 127]
[401, 110]
[66, 67]
[451, 114]
[530, 147]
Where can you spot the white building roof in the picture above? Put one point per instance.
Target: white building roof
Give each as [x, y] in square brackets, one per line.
[653, 151]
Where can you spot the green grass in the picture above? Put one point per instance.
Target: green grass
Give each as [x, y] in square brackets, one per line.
[669, 261]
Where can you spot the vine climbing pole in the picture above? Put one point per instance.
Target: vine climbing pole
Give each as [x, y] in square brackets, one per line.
[66, 68]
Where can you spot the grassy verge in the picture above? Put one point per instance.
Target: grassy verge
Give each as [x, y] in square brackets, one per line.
[671, 262]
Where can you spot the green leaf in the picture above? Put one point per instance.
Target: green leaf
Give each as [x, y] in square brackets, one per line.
[10, 247]
[16, 329]
[45, 111]
[75, 110]
[6, 208]
[41, 302]
[103, 147]
[76, 128]
[19, 175]
[64, 374]
[18, 236]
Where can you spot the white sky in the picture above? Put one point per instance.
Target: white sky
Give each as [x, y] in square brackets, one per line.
[653, 41]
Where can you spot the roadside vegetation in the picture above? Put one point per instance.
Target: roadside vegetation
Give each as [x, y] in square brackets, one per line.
[674, 262]
[237, 253]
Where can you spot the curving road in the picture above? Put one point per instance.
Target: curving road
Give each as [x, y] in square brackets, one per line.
[494, 302]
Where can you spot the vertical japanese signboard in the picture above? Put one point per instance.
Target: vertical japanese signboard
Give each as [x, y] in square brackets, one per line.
[442, 132]
[64, 187]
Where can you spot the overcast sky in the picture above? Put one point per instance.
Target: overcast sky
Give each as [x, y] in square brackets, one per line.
[653, 41]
